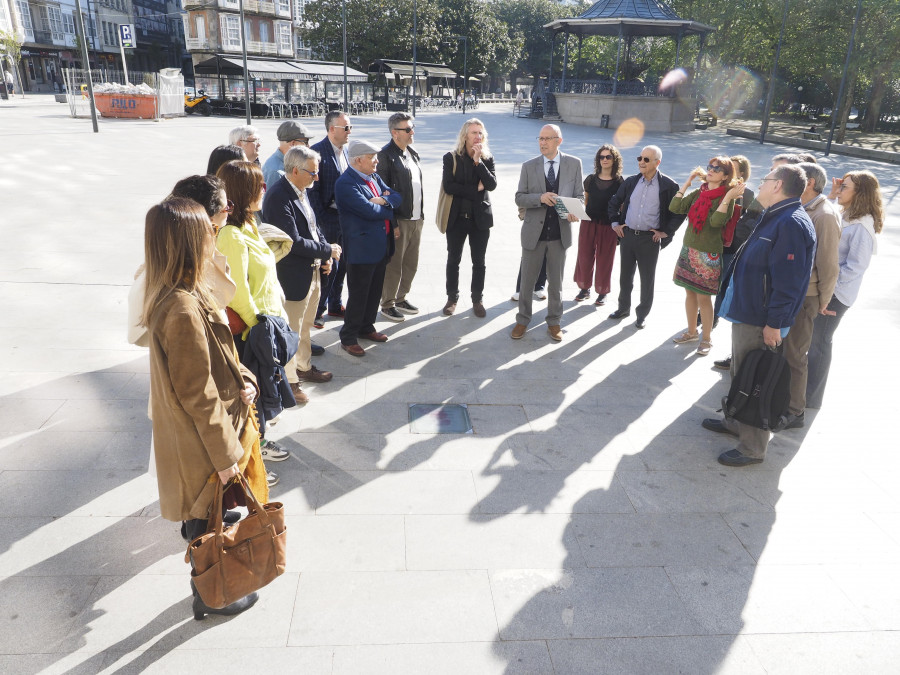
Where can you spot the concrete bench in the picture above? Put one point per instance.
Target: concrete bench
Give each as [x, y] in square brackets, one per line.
[812, 136]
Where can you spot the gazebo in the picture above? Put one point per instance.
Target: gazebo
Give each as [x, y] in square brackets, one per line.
[601, 102]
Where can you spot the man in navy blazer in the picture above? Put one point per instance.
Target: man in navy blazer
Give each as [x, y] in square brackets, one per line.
[333, 150]
[286, 206]
[366, 207]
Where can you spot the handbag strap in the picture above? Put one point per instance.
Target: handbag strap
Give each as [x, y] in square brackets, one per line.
[253, 505]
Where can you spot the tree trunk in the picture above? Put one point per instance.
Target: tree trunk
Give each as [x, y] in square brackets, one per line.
[873, 110]
[844, 112]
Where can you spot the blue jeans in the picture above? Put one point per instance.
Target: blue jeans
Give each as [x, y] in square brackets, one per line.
[820, 352]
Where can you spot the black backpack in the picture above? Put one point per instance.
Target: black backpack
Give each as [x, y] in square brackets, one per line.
[761, 391]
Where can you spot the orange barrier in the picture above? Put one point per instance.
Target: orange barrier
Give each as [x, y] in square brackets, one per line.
[126, 105]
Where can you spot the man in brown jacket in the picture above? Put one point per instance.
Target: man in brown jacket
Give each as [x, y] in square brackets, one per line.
[827, 222]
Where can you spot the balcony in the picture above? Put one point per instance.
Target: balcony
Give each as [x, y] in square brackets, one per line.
[196, 44]
[262, 48]
[231, 47]
[251, 6]
[282, 11]
[285, 50]
[230, 4]
[196, 4]
[266, 7]
[43, 37]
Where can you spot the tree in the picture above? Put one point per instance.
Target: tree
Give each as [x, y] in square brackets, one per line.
[11, 44]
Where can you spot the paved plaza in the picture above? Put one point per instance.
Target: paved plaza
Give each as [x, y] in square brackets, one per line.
[584, 527]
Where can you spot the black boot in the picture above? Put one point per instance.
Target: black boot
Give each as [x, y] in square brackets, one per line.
[201, 609]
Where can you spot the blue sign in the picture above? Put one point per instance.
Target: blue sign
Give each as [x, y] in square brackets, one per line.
[126, 35]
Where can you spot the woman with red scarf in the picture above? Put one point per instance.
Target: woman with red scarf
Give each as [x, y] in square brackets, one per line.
[699, 265]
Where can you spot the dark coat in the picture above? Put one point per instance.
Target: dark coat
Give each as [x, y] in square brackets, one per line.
[321, 193]
[396, 175]
[365, 241]
[270, 345]
[668, 221]
[455, 185]
[281, 208]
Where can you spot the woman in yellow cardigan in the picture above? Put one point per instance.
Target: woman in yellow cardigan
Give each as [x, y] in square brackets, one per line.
[699, 265]
[203, 427]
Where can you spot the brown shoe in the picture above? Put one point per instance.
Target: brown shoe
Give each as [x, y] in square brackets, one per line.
[353, 350]
[374, 336]
[314, 375]
[555, 333]
[450, 307]
[518, 331]
[478, 308]
[299, 395]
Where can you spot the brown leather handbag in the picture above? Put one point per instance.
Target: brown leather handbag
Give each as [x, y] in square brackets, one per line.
[229, 564]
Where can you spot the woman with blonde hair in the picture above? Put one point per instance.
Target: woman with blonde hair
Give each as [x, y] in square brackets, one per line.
[699, 265]
[858, 195]
[469, 177]
[596, 239]
[201, 397]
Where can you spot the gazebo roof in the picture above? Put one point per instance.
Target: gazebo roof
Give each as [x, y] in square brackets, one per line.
[629, 18]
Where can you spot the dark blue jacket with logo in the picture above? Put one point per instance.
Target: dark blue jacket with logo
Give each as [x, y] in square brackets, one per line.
[770, 272]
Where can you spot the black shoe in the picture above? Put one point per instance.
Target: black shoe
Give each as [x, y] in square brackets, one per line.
[242, 605]
[795, 421]
[735, 458]
[583, 294]
[406, 307]
[620, 314]
[717, 426]
[317, 350]
[392, 314]
[724, 364]
[640, 323]
[601, 300]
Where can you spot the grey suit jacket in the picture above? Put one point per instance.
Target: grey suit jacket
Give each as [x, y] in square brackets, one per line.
[532, 185]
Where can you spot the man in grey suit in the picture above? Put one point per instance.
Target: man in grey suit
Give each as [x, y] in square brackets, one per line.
[544, 231]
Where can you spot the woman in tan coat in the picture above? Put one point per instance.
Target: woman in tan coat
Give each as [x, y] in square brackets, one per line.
[201, 397]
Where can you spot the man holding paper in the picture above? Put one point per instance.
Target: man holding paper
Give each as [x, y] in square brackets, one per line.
[544, 231]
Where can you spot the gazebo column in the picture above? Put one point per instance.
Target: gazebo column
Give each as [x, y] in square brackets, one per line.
[550, 74]
[618, 53]
[699, 55]
[678, 46]
[578, 71]
[565, 62]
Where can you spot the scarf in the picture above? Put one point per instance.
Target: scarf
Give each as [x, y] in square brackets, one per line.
[700, 208]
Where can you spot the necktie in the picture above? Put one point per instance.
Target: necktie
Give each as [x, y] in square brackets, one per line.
[387, 223]
[551, 174]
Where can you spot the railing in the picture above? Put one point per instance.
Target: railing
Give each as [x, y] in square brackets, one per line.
[608, 87]
[196, 43]
[228, 47]
[266, 7]
[229, 4]
[285, 50]
[43, 37]
[194, 4]
[251, 5]
[266, 48]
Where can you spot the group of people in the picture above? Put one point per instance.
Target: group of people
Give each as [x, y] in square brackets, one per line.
[241, 264]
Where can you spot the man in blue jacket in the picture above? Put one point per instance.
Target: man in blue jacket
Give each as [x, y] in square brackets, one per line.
[764, 289]
[366, 208]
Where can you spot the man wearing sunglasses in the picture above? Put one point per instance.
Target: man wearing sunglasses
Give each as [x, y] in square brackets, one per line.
[286, 206]
[640, 217]
[398, 166]
[333, 150]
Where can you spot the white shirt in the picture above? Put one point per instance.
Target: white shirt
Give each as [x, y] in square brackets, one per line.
[340, 156]
[415, 173]
[308, 213]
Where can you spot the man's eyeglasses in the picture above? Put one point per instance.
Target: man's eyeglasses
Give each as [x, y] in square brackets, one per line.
[344, 128]
[311, 173]
[250, 140]
[547, 138]
[408, 129]
[605, 157]
[645, 159]
[763, 180]
[715, 168]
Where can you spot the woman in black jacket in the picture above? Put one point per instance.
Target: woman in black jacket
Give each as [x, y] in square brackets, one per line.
[468, 177]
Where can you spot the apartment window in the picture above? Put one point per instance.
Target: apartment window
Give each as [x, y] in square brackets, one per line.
[231, 31]
[298, 9]
[248, 33]
[284, 35]
[69, 24]
[263, 32]
[200, 24]
[56, 24]
[25, 15]
[284, 6]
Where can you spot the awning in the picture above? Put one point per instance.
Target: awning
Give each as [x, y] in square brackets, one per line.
[405, 69]
[278, 69]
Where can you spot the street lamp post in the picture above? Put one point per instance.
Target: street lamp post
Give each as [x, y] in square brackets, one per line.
[246, 74]
[344, 20]
[415, 81]
[465, 41]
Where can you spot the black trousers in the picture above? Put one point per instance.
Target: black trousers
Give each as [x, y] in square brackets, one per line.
[456, 240]
[333, 283]
[820, 352]
[637, 250]
[364, 284]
